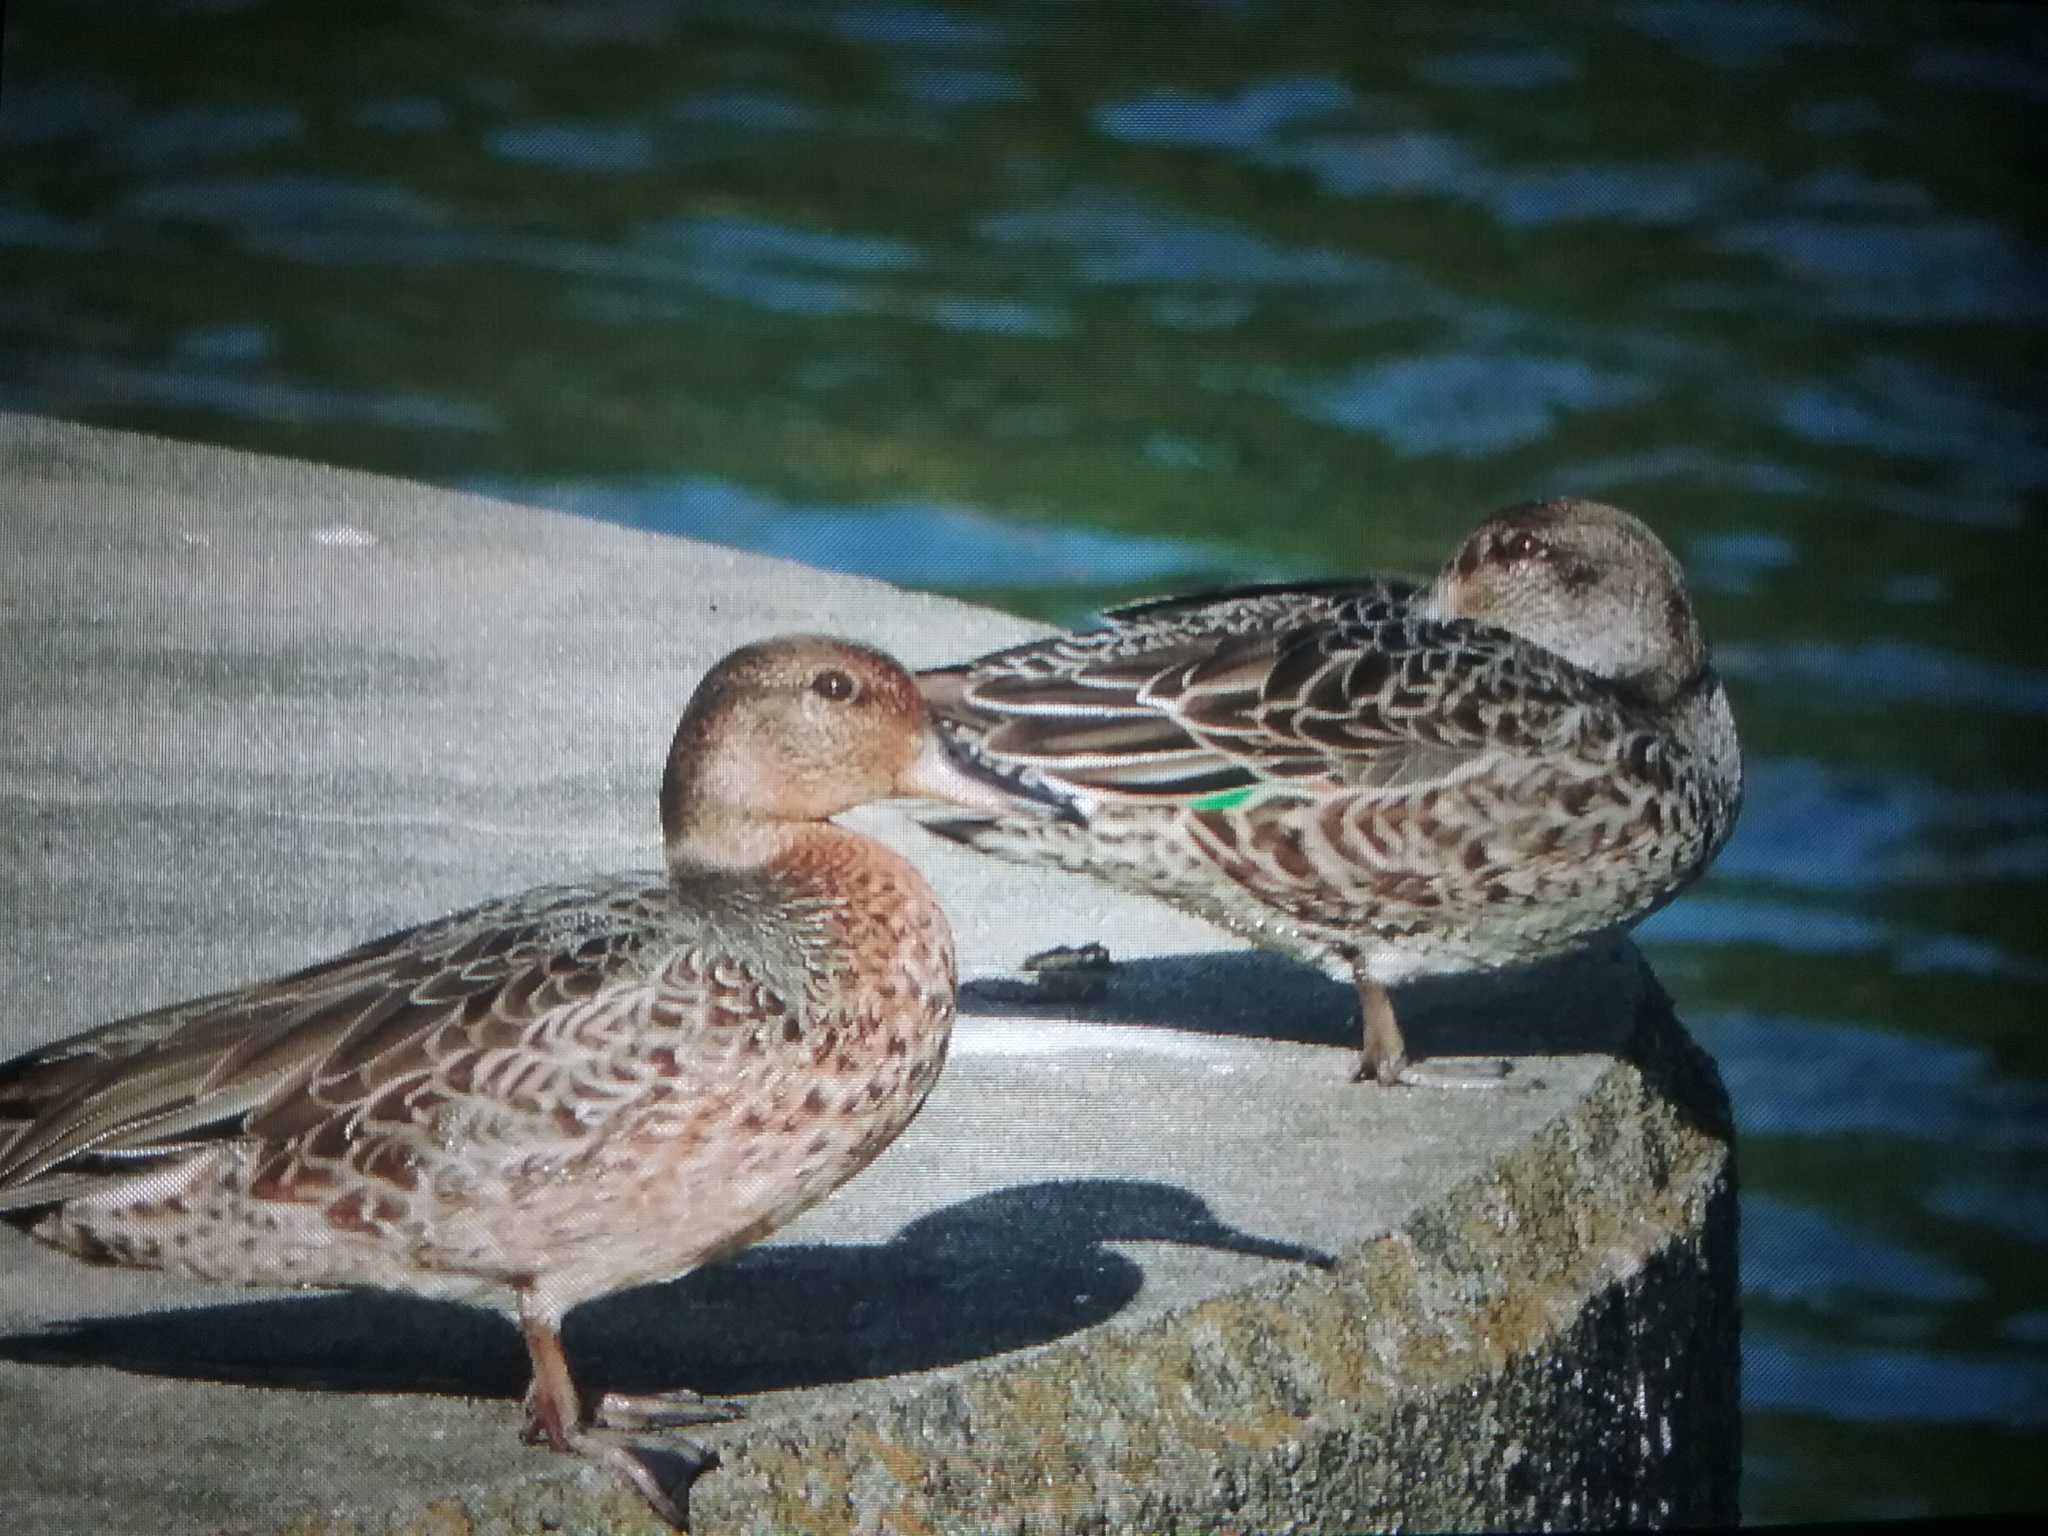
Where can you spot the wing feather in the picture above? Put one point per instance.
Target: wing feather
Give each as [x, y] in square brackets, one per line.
[1336, 686]
[282, 1057]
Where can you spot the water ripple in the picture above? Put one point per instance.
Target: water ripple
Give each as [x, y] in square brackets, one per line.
[1118, 242]
[913, 542]
[1985, 71]
[2020, 1214]
[730, 238]
[1816, 826]
[1468, 403]
[1501, 69]
[1835, 675]
[283, 202]
[1793, 1252]
[1925, 270]
[1795, 1076]
[582, 146]
[77, 385]
[751, 111]
[186, 135]
[1249, 119]
[1745, 36]
[1721, 921]
[955, 85]
[916, 26]
[1874, 1384]
[51, 111]
[31, 228]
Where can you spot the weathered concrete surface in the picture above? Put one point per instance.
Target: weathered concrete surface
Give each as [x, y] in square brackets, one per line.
[257, 710]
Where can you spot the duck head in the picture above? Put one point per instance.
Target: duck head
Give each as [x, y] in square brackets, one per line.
[1584, 580]
[799, 728]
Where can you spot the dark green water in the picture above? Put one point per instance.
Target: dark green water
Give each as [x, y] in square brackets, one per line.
[1051, 305]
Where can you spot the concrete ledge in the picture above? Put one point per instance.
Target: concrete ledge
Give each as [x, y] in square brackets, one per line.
[1147, 1262]
[1548, 1343]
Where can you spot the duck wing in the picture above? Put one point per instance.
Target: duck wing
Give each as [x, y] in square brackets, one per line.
[1343, 686]
[337, 1045]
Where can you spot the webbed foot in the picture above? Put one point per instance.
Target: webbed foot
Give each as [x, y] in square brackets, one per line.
[1444, 1072]
[675, 1409]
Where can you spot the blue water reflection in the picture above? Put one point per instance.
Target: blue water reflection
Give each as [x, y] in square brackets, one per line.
[747, 111]
[1872, 269]
[1740, 37]
[915, 26]
[28, 227]
[1872, 1383]
[1821, 827]
[1468, 402]
[1498, 69]
[916, 543]
[49, 111]
[951, 85]
[1245, 119]
[289, 201]
[2014, 73]
[1890, 670]
[1117, 242]
[402, 114]
[2019, 1214]
[1812, 1077]
[1792, 1252]
[192, 135]
[585, 145]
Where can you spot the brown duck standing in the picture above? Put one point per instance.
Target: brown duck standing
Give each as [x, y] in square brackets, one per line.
[1385, 779]
[560, 1094]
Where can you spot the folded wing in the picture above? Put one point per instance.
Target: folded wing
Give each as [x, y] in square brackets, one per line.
[1331, 688]
[534, 1018]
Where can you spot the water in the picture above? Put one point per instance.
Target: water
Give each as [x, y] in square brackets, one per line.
[1052, 306]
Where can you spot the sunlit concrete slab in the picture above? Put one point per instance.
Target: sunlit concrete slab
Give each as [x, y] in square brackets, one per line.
[1147, 1259]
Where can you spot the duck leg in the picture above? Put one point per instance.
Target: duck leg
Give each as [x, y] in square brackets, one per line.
[1383, 1057]
[554, 1413]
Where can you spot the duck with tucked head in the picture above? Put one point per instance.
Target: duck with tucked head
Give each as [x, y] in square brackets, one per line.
[559, 1094]
[1385, 779]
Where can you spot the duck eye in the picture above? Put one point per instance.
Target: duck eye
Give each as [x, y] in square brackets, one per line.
[1524, 545]
[834, 684]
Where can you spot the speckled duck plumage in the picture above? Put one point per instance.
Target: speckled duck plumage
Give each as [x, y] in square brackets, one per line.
[559, 1094]
[1384, 778]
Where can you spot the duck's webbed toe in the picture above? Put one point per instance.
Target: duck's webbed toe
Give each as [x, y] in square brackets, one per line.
[675, 1409]
[1459, 1072]
[1383, 1054]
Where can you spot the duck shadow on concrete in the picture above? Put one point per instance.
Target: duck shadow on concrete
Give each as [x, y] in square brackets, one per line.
[1017, 1266]
[1563, 1007]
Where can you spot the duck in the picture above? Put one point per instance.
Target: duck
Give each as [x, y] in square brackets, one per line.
[1384, 778]
[559, 1094]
